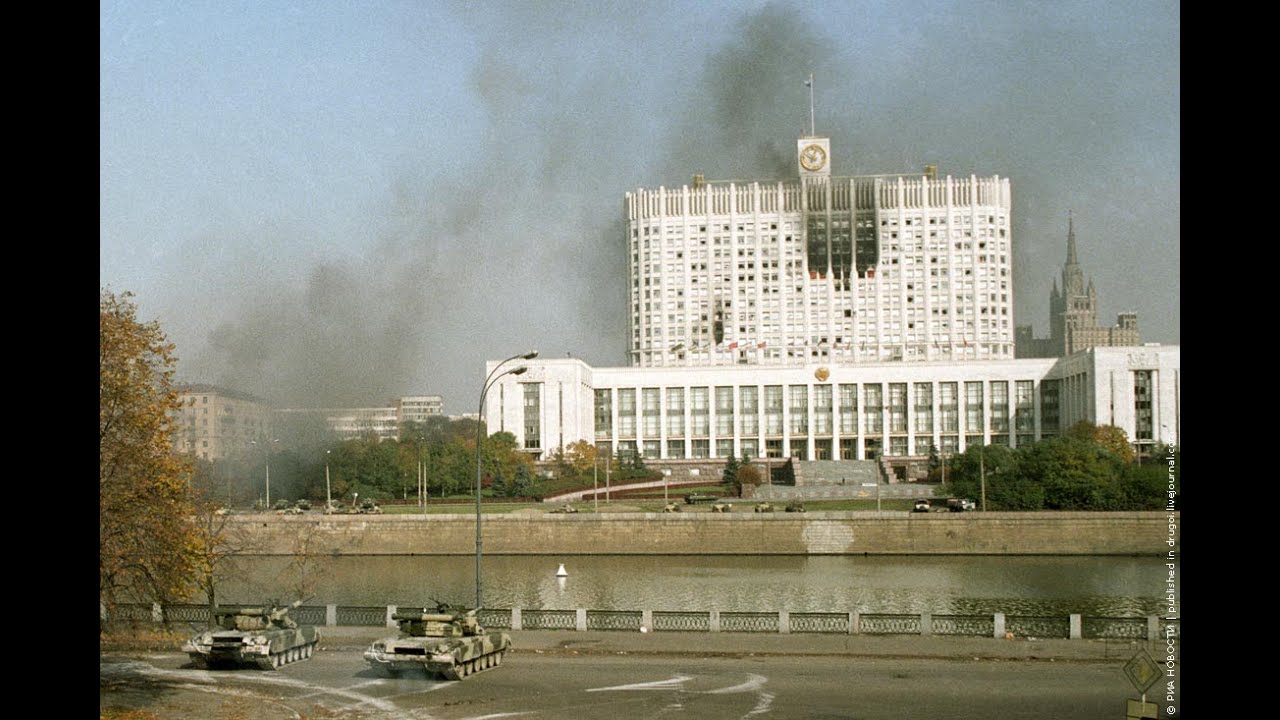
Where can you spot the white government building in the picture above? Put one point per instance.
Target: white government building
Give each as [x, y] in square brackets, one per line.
[827, 318]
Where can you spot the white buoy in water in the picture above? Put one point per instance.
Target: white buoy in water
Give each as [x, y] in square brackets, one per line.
[561, 572]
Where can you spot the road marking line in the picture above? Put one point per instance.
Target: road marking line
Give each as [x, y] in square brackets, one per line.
[762, 705]
[754, 683]
[669, 684]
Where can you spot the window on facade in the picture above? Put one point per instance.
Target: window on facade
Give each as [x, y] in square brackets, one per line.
[1049, 399]
[924, 407]
[773, 411]
[1143, 418]
[848, 410]
[897, 446]
[1024, 408]
[1000, 409]
[973, 416]
[799, 448]
[873, 408]
[747, 401]
[650, 409]
[898, 408]
[627, 412]
[799, 396]
[533, 414]
[948, 407]
[822, 411]
[724, 412]
[604, 412]
[699, 412]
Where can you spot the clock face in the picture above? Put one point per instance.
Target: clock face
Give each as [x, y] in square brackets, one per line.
[813, 157]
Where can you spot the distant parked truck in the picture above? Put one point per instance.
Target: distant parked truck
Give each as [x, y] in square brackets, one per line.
[960, 504]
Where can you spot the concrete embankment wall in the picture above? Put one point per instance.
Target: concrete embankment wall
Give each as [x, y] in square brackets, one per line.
[816, 533]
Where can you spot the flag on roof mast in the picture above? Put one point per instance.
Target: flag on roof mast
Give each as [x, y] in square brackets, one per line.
[809, 84]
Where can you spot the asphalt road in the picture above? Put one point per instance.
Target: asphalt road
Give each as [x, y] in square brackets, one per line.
[562, 683]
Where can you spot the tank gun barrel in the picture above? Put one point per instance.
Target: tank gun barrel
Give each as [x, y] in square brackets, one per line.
[423, 617]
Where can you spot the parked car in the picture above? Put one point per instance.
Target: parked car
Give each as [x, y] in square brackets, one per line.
[960, 504]
[921, 505]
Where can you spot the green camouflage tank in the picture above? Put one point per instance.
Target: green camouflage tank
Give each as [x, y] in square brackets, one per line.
[448, 642]
[266, 637]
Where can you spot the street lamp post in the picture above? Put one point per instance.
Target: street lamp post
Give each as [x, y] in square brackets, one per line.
[982, 474]
[267, 450]
[328, 493]
[488, 382]
[422, 473]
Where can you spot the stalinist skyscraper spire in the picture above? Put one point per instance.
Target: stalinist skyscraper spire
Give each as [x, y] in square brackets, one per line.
[1073, 314]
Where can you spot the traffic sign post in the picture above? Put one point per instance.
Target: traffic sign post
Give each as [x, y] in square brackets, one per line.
[1143, 672]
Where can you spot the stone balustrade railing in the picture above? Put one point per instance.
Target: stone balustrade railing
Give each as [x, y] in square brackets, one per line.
[996, 625]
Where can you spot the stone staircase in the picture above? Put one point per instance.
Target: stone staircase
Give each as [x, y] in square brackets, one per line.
[836, 472]
[842, 480]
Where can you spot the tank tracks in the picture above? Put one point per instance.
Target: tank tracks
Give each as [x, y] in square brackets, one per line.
[275, 660]
[471, 667]
[292, 655]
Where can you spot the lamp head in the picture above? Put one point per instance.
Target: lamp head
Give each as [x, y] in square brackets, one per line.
[529, 355]
[520, 370]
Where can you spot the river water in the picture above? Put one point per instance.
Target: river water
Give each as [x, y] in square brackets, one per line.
[1040, 585]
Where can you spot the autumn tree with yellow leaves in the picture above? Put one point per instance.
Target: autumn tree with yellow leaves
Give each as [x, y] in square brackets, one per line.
[146, 538]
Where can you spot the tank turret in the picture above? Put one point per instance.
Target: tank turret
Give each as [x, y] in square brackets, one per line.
[447, 640]
[264, 636]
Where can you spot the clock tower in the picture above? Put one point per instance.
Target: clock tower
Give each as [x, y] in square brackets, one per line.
[814, 156]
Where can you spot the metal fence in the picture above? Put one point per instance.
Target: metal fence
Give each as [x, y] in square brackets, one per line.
[1115, 628]
[886, 624]
[976, 625]
[549, 619]
[500, 619]
[748, 622]
[368, 616]
[1039, 627]
[820, 623]
[614, 619]
[1023, 626]
[682, 621]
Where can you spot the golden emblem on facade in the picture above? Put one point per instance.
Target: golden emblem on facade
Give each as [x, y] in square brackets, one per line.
[822, 374]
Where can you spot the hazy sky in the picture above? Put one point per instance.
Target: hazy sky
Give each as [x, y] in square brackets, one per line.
[338, 203]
